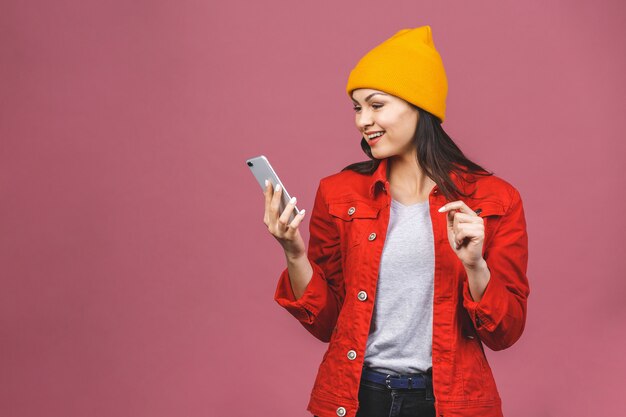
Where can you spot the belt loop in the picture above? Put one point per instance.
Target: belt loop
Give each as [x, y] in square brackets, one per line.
[429, 384]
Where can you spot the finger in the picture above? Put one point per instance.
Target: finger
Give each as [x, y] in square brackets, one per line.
[469, 231]
[275, 202]
[453, 207]
[459, 218]
[268, 192]
[293, 226]
[284, 217]
[457, 205]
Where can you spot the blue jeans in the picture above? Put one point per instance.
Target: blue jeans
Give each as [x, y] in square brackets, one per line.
[376, 400]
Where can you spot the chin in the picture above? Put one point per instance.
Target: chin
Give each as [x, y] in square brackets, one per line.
[378, 154]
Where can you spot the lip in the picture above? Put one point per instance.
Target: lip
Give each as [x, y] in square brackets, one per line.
[376, 139]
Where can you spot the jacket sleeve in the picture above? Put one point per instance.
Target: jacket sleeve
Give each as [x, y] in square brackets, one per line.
[500, 315]
[318, 308]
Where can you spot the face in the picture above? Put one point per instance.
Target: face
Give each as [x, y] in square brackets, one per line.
[377, 111]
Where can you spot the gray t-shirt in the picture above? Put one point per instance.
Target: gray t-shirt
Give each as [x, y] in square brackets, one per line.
[400, 336]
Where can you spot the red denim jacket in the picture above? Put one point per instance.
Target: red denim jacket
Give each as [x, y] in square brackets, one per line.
[348, 226]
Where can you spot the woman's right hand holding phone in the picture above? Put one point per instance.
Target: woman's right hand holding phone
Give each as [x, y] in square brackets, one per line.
[286, 233]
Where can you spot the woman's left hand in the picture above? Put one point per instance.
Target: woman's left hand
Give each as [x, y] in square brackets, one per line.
[466, 232]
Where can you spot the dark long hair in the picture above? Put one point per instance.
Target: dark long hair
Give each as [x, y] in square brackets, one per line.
[436, 154]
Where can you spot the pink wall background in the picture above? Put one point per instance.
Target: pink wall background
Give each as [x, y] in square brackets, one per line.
[137, 276]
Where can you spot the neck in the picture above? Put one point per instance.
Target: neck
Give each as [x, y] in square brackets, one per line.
[407, 179]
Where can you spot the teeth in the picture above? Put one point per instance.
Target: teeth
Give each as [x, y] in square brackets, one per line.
[375, 135]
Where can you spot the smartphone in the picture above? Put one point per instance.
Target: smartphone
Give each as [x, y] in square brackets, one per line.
[262, 170]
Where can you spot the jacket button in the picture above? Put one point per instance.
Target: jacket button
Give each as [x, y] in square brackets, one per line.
[351, 211]
[362, 295]
[351, 355]
[341, 411]
[372, 236]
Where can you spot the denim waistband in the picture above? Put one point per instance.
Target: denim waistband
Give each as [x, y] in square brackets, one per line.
[399, 381]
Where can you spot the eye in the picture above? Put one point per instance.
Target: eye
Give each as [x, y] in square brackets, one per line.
[376, 106]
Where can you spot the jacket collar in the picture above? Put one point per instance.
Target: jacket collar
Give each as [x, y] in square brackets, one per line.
[380, 180]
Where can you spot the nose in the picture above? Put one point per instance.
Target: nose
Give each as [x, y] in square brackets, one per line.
[363, 120]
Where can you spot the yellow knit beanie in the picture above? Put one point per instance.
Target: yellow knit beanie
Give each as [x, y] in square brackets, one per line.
[408, 66]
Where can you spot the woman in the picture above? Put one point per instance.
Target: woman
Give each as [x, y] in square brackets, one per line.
[416, 257]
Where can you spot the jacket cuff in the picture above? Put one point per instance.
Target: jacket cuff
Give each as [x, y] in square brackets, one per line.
[305, 308]
[485, 313]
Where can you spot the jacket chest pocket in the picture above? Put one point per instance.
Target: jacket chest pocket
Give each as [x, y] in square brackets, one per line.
[491, 212]
[354, 218]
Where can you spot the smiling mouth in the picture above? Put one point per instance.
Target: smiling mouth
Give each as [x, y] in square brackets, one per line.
[375, 138]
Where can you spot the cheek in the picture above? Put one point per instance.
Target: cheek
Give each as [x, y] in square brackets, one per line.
[410, 130]
[387, 122]
[409, 125]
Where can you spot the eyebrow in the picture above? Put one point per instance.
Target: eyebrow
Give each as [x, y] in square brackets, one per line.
[370, 96]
